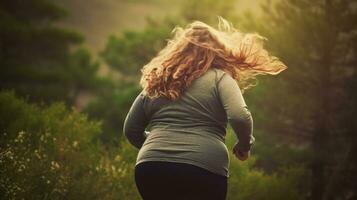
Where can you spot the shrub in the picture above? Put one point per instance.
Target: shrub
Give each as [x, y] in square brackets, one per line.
[48, 152]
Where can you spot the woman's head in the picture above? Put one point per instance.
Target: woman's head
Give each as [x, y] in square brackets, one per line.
[198, 47]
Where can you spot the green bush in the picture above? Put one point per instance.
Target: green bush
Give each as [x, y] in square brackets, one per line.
[52, 153]
[246, 182]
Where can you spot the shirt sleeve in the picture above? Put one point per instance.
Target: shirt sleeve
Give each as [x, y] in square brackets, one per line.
[238, 114]
[136, 122]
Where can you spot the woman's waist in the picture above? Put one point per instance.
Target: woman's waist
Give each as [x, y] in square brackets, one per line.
[208, 150]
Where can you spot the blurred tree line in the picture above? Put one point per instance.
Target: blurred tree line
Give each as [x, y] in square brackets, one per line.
[314, 101]
[304, 117]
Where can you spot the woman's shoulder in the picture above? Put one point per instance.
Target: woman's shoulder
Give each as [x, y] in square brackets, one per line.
[218, 73]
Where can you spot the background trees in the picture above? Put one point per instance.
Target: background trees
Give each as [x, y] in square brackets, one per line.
[316, 39]
[36, 58]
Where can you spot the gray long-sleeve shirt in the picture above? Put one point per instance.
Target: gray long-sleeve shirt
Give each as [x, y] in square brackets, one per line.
[192, 129]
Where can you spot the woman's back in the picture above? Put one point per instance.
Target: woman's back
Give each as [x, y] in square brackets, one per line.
[192, 129]
[198, 108]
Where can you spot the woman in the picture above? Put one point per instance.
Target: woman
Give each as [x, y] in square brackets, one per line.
[191, 90]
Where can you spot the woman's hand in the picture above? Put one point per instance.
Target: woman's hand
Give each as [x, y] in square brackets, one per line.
[241, 155]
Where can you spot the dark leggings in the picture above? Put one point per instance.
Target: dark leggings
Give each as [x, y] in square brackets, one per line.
[158, 180]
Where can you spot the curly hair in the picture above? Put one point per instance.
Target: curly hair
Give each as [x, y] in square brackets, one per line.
[196, 48]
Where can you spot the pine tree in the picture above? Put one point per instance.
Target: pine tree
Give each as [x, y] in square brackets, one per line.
[36, 59]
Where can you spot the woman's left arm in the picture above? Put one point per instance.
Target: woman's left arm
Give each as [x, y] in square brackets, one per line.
[136, 122]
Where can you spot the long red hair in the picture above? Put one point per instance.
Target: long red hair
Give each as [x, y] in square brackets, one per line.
[196, 48]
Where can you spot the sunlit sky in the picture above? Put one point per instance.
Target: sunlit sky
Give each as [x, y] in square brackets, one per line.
[97, 19]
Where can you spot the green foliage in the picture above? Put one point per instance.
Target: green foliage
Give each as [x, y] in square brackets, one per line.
[111, 107]
[129, 51]
[51, 153]
[83, 69]
[248, 183]
[316, 40]
[35, 55]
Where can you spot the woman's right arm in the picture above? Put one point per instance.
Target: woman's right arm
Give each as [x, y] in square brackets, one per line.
[238, 114]
[135, 123]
